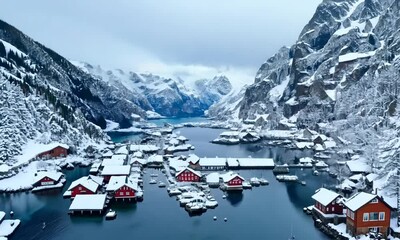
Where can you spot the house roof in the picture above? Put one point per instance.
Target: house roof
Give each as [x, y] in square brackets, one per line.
[114, 160]
[358, 200]
[213, 162]
[143, 148]
[155, 158]
[53, 175]
[116, 170]
[358, 165]
[325, 196]
[189, 169]
[98, 179]
[85, 182]
[88, 202]
[372, 176]
[182, 138]
[116, 182]
[122, 150]
[229, 176]
[192, 158]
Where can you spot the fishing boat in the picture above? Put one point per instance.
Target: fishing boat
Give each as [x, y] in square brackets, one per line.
[255, 181]
[263, 181]
[153, 181]
[161, 184]
[111, 215]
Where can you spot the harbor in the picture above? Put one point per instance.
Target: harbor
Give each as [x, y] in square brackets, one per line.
[255, 204]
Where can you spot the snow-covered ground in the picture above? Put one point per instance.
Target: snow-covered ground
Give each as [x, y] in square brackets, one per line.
[24, 179]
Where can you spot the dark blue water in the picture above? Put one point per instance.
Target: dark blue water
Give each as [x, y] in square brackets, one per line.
[268, 212]
[160, 122]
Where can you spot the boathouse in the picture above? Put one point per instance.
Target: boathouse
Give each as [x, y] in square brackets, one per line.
[109, 171]
[188, 175]
[232, 181]
[367, 212]
[88, 204]
[122, 188]
[214, 164]
[54, 151]
[83, 185]
[328, 206]
[45, 178]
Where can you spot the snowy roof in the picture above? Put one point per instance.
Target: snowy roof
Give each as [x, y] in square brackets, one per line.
[358, 165]
[138, 160]
[4, 168]
[319, 147]
[229, 134]
[212, 161]
[325, 196]
[358, 200]
[116, 170]
[229, 176]
[330, 144]
[144, 148]
[372, 176]
[321, 164]
[155, 158]
[302, 145]
[117, 182]
[356, 177]
[85, 182]
[306, 160]
[115, 160]
[212, 178]
[189, 169]
[53, 175]
[251, 162]
[177, 164]
[174, 141]
[138, 154]
[88, 202]
[193, 158]
[51, 146]
[122, 150]
[98, 179]
[109, 153]
[182, 138]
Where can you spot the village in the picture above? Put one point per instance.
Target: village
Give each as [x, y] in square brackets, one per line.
[354, 207]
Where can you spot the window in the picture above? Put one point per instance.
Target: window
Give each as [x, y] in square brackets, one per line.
[365, 217]
[333, 209]
[79, 188]
[375, 200]
[381, 216]
[121, 193]
[373, 216]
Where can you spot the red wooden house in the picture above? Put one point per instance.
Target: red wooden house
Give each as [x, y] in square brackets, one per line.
[328, 204]
[367, 212]
[233, 181]
[188, 175]
[122, 188]
[54, 151]
[83, 185]
[45, 178]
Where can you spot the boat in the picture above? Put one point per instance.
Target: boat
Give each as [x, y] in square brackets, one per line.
[154, 175]
[111, 215]
[246, 185]
[255, 181]
[161, 184]
[303, 183]
[287, 178]
[195, 207]
[315, 173]
[263, 181]
[153, 181]
[211, 202]
[281, 169]
[174, 192]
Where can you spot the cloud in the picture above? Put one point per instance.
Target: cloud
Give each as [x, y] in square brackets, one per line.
[175, 37]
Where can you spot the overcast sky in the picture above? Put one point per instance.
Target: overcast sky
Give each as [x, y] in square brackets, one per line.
[193, 38]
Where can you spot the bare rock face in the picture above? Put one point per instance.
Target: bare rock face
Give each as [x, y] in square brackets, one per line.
[348, 47]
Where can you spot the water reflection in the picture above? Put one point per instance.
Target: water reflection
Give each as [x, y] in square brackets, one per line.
[234, 197]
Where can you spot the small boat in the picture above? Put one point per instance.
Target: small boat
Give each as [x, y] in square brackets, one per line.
[263, 181]
[154, 175]
[211, 204]
[44, 225]
[195, 207]
[287, 178]
[255, 182]
[303, 183]
[174, 192]
[111, 215]
[161, 184]
[246, 185]
[153, 181]
[315, 173]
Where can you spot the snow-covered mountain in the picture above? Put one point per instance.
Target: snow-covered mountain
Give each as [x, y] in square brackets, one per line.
[32, 113]
[96, 99]
[343, 70]
[166, 96]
